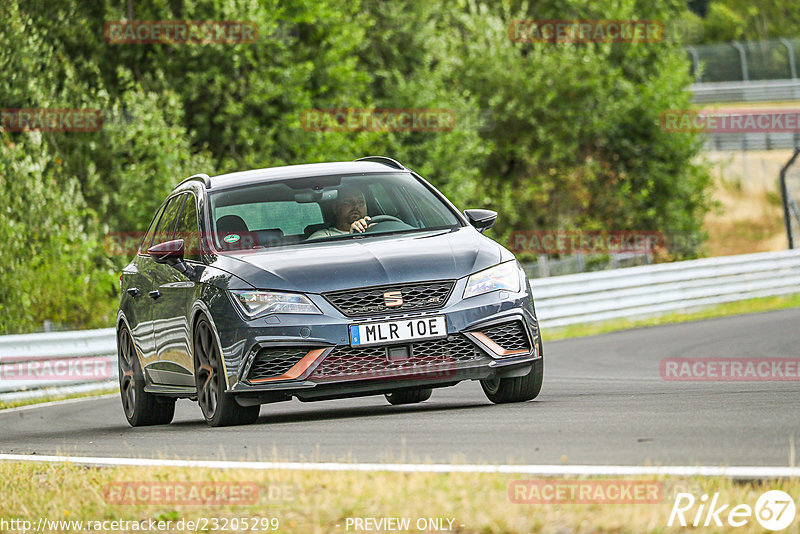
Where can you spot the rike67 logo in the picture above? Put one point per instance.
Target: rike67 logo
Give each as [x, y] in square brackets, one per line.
[774, 510]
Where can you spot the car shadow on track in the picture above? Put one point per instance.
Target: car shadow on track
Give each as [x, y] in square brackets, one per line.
[326, 414]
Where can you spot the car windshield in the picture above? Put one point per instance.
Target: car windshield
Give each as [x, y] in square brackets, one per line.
[307, 210]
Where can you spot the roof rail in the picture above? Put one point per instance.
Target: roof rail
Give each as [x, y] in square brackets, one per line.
[206, 179]
[386, 161]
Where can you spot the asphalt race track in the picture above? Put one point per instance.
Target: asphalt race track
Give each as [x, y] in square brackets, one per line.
[603, 402]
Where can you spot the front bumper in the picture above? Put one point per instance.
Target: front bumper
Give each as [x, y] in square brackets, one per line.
[310, 357]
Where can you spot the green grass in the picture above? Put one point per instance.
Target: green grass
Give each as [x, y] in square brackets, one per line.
[322, 501]
[740, 307]
[51, 398]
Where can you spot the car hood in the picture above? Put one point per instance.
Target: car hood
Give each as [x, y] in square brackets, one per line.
[376, 260]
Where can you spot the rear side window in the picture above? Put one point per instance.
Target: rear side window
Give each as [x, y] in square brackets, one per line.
[166, 226]
[188, 229]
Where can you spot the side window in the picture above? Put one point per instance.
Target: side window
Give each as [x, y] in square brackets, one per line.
[425, 209]
[148, 237]
[188, 229]
[166, 226]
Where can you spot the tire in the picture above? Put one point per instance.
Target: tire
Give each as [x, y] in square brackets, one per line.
[516, 389]
[409, 396]
[219, 408]
[140, 407]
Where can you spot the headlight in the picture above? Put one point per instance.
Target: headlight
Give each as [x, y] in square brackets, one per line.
[501, 276]
[255, 303]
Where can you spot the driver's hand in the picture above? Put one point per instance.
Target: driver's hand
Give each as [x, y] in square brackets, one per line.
[360, 225]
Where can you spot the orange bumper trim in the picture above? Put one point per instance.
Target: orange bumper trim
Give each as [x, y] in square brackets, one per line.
[497, 349]
[297, 369]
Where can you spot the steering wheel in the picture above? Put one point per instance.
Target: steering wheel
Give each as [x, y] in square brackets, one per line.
[383, 218]
[389, 222]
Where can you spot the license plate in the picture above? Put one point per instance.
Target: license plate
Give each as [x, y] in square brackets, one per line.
[393, 331]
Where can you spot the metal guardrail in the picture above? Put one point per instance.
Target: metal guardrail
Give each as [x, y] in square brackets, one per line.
[759, 91]
[560, 300]
[652, 289]
[33, 362]
[751, 141]
[743, 92]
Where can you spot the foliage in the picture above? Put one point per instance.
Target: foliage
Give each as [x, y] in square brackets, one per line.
[552, 135]
[728, 20]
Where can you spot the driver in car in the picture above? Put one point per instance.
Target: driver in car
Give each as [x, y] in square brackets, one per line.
[350, 210]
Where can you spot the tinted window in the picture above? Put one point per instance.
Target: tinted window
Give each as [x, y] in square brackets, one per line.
[166, 226]
[426, 208]
[188, 229]
[308, 209]
[290, 217]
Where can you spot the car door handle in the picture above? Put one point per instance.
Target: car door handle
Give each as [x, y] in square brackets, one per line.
[155, 294]
[134, 292]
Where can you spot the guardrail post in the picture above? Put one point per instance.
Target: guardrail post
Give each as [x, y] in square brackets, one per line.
[743, 58]
[785, 197]
[544, 268]
[695, 61]
[792, 67]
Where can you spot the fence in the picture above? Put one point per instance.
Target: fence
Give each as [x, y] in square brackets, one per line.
[772, 59]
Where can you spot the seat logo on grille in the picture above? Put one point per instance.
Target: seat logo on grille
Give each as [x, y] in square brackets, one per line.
[392, 299]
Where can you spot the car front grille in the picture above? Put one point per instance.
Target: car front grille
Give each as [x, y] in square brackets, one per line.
[510, 336]
[378, 300]
[275, 361]
[439, 355]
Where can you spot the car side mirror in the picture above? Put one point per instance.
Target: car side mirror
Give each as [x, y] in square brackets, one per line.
[482, 220]
[171, 253]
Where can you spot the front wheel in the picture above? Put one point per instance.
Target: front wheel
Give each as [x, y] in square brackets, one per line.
[518, 388]
[141, 408]
[219, 408]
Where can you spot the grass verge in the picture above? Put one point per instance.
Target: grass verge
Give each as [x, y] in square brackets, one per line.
[322, 502]
[56, 397]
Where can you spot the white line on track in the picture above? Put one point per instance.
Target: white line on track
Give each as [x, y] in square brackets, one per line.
[542, 470]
